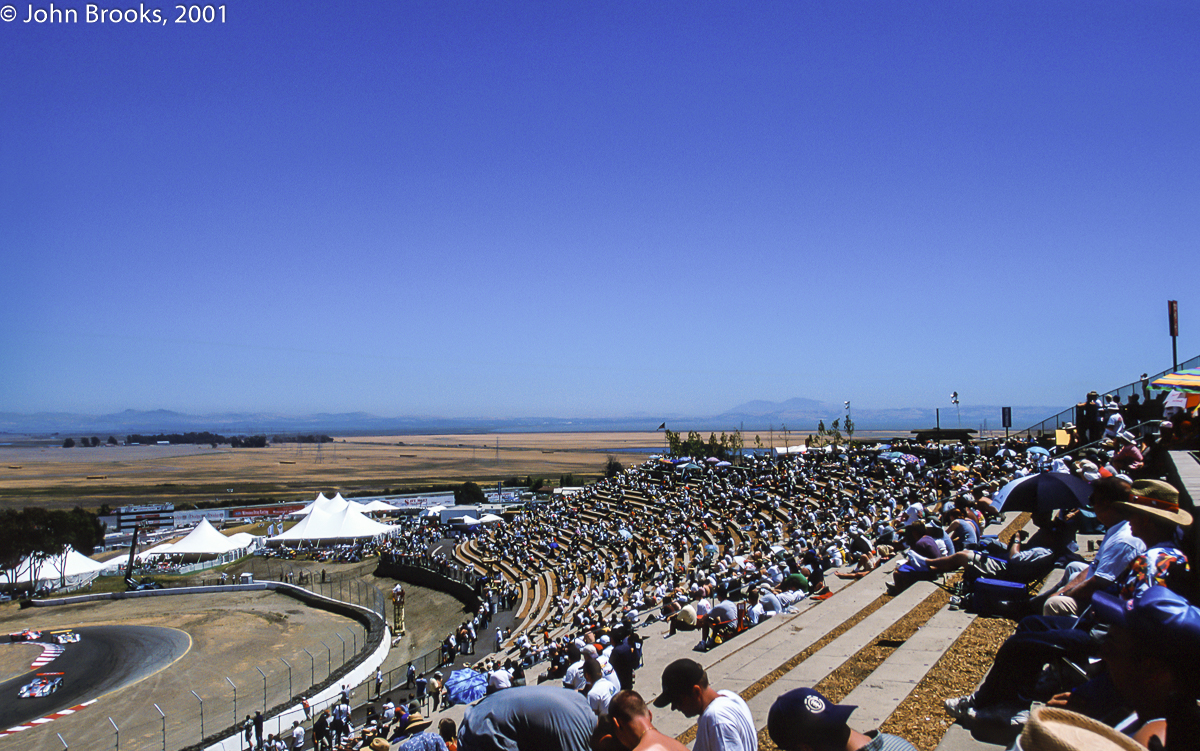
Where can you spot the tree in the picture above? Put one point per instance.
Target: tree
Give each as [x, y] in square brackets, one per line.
[95, 442]
[112, 440]
[69, 443]
[612, 467]
[469, 494]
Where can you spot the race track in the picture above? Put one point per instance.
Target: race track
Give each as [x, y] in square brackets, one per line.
[104, 659]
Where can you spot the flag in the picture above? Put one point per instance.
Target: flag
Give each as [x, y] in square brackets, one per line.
[662, 427]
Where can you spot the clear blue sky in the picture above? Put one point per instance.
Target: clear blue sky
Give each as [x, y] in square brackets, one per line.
[596, 208]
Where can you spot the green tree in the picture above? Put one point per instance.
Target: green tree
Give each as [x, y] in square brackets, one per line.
[112, 440]
[612, 467]
[469, 494]
[69, 443]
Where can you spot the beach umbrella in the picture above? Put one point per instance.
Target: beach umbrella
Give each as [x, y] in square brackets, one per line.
[466, 686]
[910, 459]
[1187, 381]
[724, 464]
[1043, 492]
[1038, 450]
[712, 460]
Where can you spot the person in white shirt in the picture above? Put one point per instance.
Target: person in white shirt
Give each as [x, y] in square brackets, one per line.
[725, 722]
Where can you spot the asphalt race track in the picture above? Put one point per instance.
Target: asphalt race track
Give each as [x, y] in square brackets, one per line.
[104, 659]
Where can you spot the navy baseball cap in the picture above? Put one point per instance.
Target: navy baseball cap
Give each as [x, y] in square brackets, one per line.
[1162, 619]
[803, 715]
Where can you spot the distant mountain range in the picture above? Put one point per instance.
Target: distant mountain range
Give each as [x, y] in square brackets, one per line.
[799, 415]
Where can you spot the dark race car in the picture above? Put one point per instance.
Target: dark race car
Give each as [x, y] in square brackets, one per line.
[43, 685]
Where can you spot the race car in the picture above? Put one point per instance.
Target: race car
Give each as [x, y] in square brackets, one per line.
[43, 685]
[66, 637]
[26, 635]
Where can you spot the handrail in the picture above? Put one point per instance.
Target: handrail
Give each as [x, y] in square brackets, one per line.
[1068, 414]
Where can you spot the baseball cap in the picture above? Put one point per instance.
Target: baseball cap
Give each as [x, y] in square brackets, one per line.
[803, 715]
[678, 678]
[1163, 620]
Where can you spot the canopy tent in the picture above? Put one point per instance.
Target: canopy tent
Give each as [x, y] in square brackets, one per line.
[202, 542]
[320, 526]
[434, 511]
[377, 506]
[328, 505]
[490, 519]
[466, 519]
[74, 569]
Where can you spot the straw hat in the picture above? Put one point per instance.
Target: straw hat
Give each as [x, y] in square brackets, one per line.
[380, 744]
[1054, 729]
[1157, 498]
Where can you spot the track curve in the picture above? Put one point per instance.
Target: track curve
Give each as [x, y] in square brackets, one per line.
[105, 659]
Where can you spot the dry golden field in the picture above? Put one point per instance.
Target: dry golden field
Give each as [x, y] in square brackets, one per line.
[148, 474]
[118, 475]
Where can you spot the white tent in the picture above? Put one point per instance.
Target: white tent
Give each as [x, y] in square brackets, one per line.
[490, 519]
[347, 524]
[467, 520]
[204, 540]
[73, 567]
[377, 506]
[328, 505]
[434, 511]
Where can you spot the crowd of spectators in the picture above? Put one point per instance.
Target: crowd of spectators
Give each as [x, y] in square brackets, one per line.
[718, 549]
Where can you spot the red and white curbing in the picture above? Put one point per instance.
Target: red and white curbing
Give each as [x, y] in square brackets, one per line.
[43, 720]
[49, 652]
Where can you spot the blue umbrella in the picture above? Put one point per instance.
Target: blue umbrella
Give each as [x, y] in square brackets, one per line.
[1043, 492]
[466, 686]
[1037, 450]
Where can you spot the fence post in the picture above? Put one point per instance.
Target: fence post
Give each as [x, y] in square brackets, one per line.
[116, 730]
[289, 667]
[201, 713]
[328, 659]
[264, 675]
[164, 726]
[234, 700]
[312, 665]
[338, 634]
[60, 740]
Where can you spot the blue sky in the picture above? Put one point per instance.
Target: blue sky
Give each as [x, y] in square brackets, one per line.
[595, 209]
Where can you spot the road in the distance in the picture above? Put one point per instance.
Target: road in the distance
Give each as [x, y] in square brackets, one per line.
[104, 659]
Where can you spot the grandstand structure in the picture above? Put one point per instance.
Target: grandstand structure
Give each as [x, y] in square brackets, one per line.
[880, 652]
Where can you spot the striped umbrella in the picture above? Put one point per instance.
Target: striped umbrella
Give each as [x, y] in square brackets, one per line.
[1185, 380]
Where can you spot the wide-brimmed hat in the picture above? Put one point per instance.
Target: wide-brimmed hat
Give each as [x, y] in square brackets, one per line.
[416, 723]
[379, 743]
[1054, 729]
[1159, 499]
